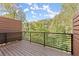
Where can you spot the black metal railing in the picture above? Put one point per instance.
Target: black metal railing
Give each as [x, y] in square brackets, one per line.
[62, 41]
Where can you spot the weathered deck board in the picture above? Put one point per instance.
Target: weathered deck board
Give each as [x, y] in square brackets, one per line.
[25, 48]
[1, 54]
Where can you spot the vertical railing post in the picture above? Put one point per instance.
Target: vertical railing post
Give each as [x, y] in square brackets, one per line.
[30, 36]
[72, 44]
[44, 38]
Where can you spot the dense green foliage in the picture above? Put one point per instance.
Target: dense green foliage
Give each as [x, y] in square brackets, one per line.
[12, 11]
[61, 23]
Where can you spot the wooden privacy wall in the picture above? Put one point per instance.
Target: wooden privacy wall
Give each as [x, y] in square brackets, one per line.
[10, 30]
[76, 35]
[10, 25]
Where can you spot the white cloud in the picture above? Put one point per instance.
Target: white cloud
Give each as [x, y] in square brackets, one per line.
[29, 4]
[35, 7]
[45, 7]
[33, 16]
[4, 13]
[40, 14]
[52, 14]
[32, 8]
[25, 10]
[33, 13]
[17, 11]
[33, 20]
[50, 11]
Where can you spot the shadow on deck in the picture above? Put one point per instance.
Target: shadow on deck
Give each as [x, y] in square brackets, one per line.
[25, 48]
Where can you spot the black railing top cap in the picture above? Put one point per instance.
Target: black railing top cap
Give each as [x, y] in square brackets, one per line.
[49, 32]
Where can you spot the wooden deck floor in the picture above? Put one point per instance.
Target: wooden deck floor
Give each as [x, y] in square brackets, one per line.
[25, 48]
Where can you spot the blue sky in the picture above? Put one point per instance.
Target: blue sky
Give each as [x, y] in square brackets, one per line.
[38, 11]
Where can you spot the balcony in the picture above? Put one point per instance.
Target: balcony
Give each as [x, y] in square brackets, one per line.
[37, 44]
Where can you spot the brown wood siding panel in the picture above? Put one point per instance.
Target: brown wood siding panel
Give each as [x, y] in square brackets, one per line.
[14, 36]
[76, 19]
[76, 35]
[12, 27]
[76, 47]
[2, 38]
[76, 23]
[76, 27]
[9, 25]
[76, 31]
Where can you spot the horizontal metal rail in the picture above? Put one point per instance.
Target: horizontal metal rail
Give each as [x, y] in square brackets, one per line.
[48, 32]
